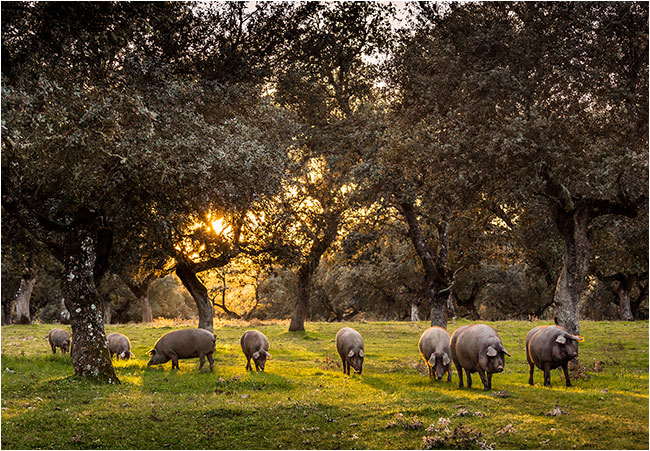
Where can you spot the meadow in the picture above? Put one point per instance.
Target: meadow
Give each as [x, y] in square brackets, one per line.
[304, 401]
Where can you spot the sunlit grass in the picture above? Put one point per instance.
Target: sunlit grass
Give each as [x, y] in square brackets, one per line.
[305, 401]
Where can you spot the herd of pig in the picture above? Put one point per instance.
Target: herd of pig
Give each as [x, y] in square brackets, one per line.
[473, 348]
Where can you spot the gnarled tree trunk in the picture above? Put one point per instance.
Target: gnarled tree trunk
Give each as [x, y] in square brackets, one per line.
[415, 311]
[90, 357]
[23, 296]
[577, 254]
[147, 315]
[435, 286]
[199, 293]
[301, 309]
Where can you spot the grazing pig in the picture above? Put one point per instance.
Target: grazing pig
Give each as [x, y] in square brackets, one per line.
[349, 344]
[183, 344]
[434, 349]
[548, 347]
[119, 345]
[475, 348]
[255, 346]
[59, 338]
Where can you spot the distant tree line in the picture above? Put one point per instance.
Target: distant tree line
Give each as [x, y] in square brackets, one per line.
[315, 161]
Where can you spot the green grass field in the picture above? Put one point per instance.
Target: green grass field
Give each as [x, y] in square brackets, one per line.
[305, 401]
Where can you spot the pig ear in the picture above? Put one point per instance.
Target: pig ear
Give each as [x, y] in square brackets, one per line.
[361, 353]
[491, 352]
[151, 352]
[351, 354]
[505, 351]
[268, 356]
[432, 360]
[577, 338]
[256, 355]
[560, 339]
[123, 354]
[131, 354]
[445, 359]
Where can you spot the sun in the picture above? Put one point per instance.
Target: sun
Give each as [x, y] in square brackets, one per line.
[221, 227]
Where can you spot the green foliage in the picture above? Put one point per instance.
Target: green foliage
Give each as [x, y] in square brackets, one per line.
[304, 400]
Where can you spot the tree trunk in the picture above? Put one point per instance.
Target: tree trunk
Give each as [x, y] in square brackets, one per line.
[147, 315]
[623, 293]
[415, 311]
[577, 254]
[301, 309]
[434, 283]
[65, 314]
[450, 306]
[390, 308]
[23, 296]
[199, 293]
[438, 302]
[108, 313]
[90, 357]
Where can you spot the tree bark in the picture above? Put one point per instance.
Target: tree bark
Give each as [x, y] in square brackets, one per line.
[624, 303]
[147, 315]
[23, 296]
[108, 313]
[65, 314]
[415, 311]
[572, 226]
[301, 309]
[90, 357]
[434, 282]
[199, 293]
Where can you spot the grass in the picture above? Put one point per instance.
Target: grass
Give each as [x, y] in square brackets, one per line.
[304, 401]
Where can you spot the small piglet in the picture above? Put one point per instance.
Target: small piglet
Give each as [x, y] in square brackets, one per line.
[548, 347]
[59, 338]
[434, 349]
[119, 345]
[183, 344]
[255, 346]
[477, 348]
[349, 344]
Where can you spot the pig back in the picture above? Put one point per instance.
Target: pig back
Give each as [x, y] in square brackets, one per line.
[253, 341]
[540, 342]
[118, 343]
[348, 339]
[434, 339]
[186, 343]
[58, 336]
[468, 341]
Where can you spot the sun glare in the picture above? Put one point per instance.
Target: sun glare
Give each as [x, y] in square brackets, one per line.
[220, 226]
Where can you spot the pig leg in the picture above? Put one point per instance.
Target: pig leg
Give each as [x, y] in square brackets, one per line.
[175, 362]
[489, 378]
[53, 349]
[257, 367]
[210, 360]
[469, 378]
[547, 374]
[201, 361]
[248, 364]
[531, 371]
[565, 368]
[449, 374]
[486, 383]
[460, 375]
